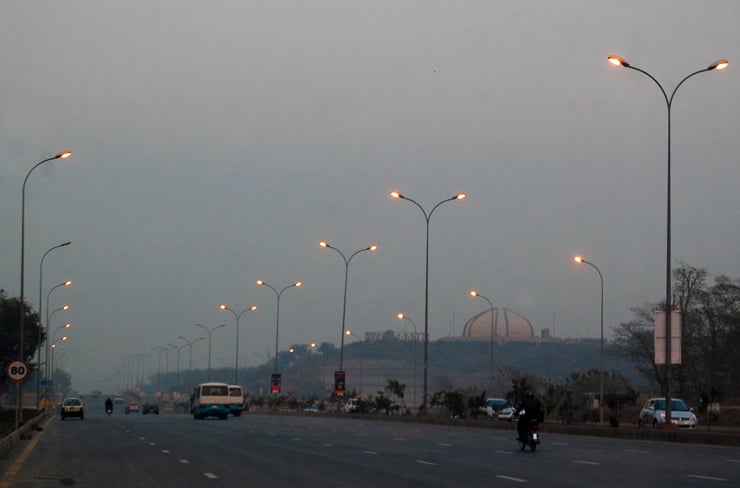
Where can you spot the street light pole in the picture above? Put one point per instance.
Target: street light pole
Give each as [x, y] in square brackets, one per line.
[416, 335]
[474, 293]
[579, 259]
[21, 351]
[190, 360]
[210, 336]
[427, 217]
[40, 339]
[717, 65]
[277, 321]
[159, 350]
[371, 247]
[237, 317]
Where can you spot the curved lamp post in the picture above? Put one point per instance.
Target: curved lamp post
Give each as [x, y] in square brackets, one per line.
[277, 321]
[237, 316]
[190, 360]
[52, 347]
[40, 339]
[371, 247]
[210, 336]
[474, 293]
[48, 316]
[402, 316]
[177, 368]
[159, 350]
[427, 217]
[21, 351]
[717, 65]
[579, 259]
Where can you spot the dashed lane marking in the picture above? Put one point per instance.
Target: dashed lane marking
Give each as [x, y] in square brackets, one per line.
[511, 478]
[590, 463]
[183, 461]
[425, 463]
[444, 444]
[369, 452]
[705, 478]
[210, 476]
[165, 451]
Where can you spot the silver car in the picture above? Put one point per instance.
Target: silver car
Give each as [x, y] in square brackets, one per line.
[653, 414]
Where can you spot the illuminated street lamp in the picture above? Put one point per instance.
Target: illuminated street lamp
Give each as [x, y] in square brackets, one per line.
[210, 334]
[21, 350]
[277, 320]
[237, 317]
[402, 316]
[579, 259]
[427, 217]
[474, 293]
[371, 247]
[40, 340]
[717, 65]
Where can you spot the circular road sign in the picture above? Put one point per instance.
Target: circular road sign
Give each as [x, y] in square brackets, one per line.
[17, 370]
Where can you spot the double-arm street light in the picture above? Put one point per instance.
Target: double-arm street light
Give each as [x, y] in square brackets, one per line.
[237, 316]
[371, 247]
[21, 345]
[41, 326]
[277, 320]
[427, 216]
[579, 259]
[405, 317]
[717, 65]
[474, 293]
[210, 336]
[190, 360]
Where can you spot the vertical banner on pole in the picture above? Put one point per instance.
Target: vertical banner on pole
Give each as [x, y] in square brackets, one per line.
[660, 337]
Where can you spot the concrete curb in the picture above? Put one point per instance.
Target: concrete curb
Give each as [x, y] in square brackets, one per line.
[8, 442]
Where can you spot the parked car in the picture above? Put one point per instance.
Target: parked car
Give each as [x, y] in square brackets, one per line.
[72, 407]
[495, 405]
[653, 414]
[150, 407]
[351, 405]
[132, 407]
[311, 408]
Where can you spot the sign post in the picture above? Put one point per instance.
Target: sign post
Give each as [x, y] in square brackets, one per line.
[17, 370]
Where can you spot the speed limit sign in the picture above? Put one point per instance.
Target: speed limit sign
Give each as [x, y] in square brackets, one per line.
[17, 370]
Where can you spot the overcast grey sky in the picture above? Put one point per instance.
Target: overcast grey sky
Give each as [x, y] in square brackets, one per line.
[216, 143]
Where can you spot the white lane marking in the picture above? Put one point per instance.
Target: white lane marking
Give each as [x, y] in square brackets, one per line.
[511, 478]
[142, 438]
[297, 439]
[369, 452]
[152, 443]
[165, 451]
[706, 478]
[183, 461]
[636, 451]
[362, 434]
[210, 476]
[503, 452]
[426, 463]
[326, 444]
[400, 439]
[444, 444]
[733, 460]
[561, 444]
[591, 463]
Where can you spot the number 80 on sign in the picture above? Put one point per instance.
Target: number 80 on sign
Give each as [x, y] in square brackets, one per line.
[17, 370]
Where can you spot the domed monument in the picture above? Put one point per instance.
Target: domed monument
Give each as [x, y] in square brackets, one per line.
[507, 325]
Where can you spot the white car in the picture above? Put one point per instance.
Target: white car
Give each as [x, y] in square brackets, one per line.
[653, 414]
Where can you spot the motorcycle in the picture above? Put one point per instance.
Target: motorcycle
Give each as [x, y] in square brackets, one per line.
[108, 409]
[533, 436]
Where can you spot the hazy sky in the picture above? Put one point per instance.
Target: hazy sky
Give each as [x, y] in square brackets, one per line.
[216, 143]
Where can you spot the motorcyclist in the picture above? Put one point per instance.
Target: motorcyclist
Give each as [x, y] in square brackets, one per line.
[108, 405]
[530, 409]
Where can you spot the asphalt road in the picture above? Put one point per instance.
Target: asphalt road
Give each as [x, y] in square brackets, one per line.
[312, 450]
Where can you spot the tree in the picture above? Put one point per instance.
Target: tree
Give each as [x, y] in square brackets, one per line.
[9, 315]
[710, 329]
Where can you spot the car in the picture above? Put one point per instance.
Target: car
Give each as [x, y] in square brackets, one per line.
[311, 408]
[351, 405]
[72, 407]
[507, 413]
[150, 407]
[132, 407]
[494, 405]
[653, 414]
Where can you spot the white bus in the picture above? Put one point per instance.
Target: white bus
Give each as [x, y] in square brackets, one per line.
[211, 399]
[237, 400]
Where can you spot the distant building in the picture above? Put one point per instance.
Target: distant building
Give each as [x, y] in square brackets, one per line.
[507, 325]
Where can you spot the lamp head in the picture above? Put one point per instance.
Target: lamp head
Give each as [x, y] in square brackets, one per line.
[298, 284]
[68, 282]
[66, 307]
[324, 244]
[348, 332]
[460, 196]
[401, 316]
[253, 308]
[223, 306]
[372, 248]
[578, 259]
[260, 282]
[67, 325]
[64, 155]
[718, 65]
[618, 61]
[395, 194]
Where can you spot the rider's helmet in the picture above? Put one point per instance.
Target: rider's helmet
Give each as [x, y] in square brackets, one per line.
[530, 394]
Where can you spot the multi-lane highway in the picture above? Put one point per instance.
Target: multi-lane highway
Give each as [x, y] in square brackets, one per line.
[308, 451]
